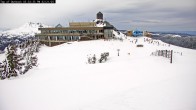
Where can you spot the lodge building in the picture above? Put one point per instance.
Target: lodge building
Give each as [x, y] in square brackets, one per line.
[136, 33]
[77, 31]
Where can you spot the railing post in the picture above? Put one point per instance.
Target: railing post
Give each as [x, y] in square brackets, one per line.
[171, 56]
[118, 51]
[166, 53]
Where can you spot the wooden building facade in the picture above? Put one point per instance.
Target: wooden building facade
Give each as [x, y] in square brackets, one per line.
[77, 31]
[59, 35]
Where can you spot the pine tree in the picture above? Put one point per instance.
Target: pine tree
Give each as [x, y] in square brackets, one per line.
[34, 60]
[37, 46]
[12, 61]
[1, 70]
[5, 69]
[19, 59]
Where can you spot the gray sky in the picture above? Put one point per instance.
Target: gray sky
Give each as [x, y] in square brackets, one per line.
[151, 15]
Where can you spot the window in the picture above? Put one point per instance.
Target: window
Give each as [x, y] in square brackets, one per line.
[60, 37]
[52, 37]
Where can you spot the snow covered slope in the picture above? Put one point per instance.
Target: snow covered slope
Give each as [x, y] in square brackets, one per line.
[132, 81]
[171, 35]
[28, 29]
[119, 35]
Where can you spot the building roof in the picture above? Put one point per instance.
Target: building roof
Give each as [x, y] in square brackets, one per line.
[82, 24]
[59, 26]
[99, 12]
[108, 25]
[72, 28]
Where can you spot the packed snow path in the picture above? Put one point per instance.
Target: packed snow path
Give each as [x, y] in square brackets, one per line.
[132, 81]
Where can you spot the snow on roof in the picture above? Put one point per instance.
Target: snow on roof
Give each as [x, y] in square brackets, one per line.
[118, 34]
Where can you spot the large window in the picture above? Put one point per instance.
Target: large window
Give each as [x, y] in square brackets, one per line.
[75, 38]
[60, 38]
[68, 37]
[65, 31]
[52, 37]
[108, 33]
[42, 37]
[101, 31]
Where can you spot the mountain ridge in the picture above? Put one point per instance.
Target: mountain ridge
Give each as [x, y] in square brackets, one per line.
[26, 30]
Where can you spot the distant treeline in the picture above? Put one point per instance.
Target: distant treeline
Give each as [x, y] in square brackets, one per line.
[5, 41]
[187, 42]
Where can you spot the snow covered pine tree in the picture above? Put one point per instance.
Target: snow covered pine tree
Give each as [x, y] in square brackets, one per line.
[19, 59]
[12, 61]
[2, 76]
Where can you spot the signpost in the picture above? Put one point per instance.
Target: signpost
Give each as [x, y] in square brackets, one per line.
[118, 51]
[171, 56]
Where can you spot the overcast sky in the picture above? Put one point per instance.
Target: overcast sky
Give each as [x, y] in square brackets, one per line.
[151, 15]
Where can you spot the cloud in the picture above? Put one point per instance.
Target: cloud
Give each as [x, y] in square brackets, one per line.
[124, 14]
[142, 21]
[159, 14]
